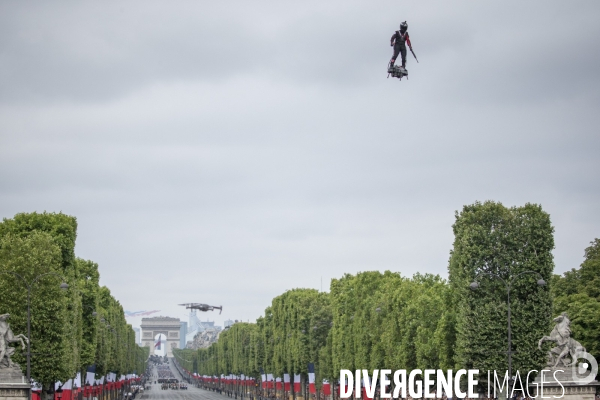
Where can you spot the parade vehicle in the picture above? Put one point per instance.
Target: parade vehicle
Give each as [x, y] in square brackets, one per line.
[168, 380]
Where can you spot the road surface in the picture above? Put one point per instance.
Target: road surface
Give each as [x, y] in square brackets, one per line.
[192, 393]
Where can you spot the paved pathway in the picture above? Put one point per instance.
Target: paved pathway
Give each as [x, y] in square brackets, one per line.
[192, 393]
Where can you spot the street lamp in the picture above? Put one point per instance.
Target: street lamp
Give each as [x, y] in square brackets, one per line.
[475, 286]
[64, 286]
[94, 313]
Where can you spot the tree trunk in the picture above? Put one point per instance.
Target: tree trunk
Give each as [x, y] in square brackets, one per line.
[45, 389]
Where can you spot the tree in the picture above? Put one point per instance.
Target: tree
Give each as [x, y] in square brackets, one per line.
[63, 230]
[65, 333]
[386, 319]
[505, 241]
[88, 283]
[30, 257]
[577, 292]
[187, 358]
[292, 333]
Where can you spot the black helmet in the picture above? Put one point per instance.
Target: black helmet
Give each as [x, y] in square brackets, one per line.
[403, 26]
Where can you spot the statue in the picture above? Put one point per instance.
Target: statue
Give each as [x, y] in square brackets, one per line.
[7, 337]
[565, 344]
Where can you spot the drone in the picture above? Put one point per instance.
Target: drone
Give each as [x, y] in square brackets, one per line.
[202, 307]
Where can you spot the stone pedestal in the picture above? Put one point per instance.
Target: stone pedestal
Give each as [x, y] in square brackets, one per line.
[570, 388]
[13, 385]
[14, 392]
[571, 391]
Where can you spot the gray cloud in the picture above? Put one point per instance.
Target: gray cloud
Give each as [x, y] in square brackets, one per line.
[227, 152]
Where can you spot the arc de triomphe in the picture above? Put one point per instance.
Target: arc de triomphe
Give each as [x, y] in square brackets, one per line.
[167, 326]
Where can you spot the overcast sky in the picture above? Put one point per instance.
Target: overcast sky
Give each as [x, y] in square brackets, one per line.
[224, 152]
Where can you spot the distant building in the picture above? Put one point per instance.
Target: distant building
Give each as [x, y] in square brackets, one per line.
[198, 333]
[167, 326]
[182, 333]
[189, 336]
[138, 335]
[206, 325]
[228, 323]
[205, 338]
[194, 323]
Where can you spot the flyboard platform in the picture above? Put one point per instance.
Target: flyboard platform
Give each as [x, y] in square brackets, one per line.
[396, 71]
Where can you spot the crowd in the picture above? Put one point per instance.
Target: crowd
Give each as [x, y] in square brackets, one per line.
[164, 374]
[133, 392]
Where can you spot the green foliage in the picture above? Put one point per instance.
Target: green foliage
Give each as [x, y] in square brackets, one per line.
[505, 241]
[62, 228]
[368, 320]
[187, 358]
[292, 333]
[116, 339]
[585, 279]
[30, 257]
[88, 282]
[578, 293]
[298, 323]
[372, 319]
[385, 319]
[65, 335]
[142, 355]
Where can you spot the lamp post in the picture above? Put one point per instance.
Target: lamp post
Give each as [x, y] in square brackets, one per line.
[508, 284]
[94, 313]
[63, 286]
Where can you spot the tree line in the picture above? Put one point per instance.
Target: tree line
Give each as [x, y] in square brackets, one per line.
[71, 329]
[374, 320]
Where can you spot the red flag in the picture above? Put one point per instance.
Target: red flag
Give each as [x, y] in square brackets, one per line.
[270, 383]
[326, 387]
